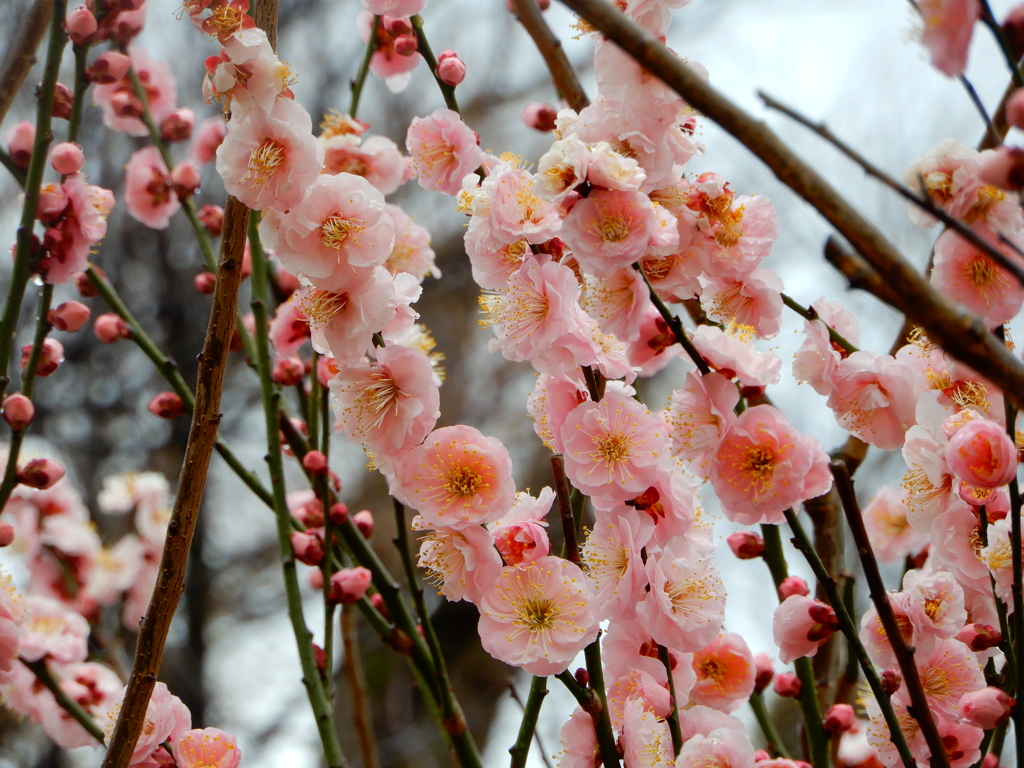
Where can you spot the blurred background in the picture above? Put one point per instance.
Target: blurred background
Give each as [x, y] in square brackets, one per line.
[231, 654]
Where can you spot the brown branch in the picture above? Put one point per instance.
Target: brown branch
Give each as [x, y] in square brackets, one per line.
[362, 720]
[24, 44]
[191, 483]
[960, 333]
[550, 48]
[572, 547]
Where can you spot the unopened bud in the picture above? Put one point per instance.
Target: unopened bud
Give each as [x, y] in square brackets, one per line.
[205, 283]
[289, 372]
[377, 601]
[349, 585]
[68, 316]
[81, 25]
[787, 685]
[40, 473]
[110, 329]
[987, 708]
[991, 760]
[451, 70]
[125, 104]
[980, 637]
[396, 26]
[166, 405]
[185, 179]
[540, 116]
[84, 285]
[839, 719]
[891, 680]
[338, 513]
[20, 139]
[66, 158]
[1003, 168]
[51, 355]
[18, 411]
[315, 463]
[308, 547]
[364, 522]
[212, 217]
[178, 125]
[765, 671]
[406, 45]
[62, 98]
[746, 545]
[6, 534]
[793, 585]
[320, 657]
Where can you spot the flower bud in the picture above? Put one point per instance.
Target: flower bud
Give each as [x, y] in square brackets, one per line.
[66, 158]
[406, 45]
[212, 217]
[839, 719]
[210, 135]
[338, 513]
[761, 754]
[982, 454]
[18, 411]
[396, 26]
[311, 514]
[81, 25]
[793, 585]
[108, 68]
[986, 708]
[377, 601]
[364, 522]
[178, 125]
[84, 285]
[787, 685]
[891, 680]
[166, 405]
[308, 547]
[206, 283]
[20, 138]
[51, 355]
[62, 98]
[1003, 168]
[451, 70]
[316, 579]
[746, 545]
[540, 116]
[320, 657]
[125, 104]
[289, 372]
[765, 671]
[40, 473]
[185, 178]
[991, 760]
[980, 637]
[349, 585]
[6, 534]
[582, 676]
[53, 201]
[110, 329]
[315, 463]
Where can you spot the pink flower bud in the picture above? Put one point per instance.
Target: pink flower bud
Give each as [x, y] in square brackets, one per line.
[793, 585]
[982, 454]
[396, 26]
[308, 547]
[765, 671]
[800, 625]
[178, 125]
[20, 138]
[991, 760]
[746, 545]
[212, 217]
[1004, 168]
[980, 637]
[288, 372]
[81, 25]
[51, 355]
[760, 755]
[986, 708]
[540, 116]
[787, 685]
[316, 579]
[206, 283]
[109, 328]
[109, 67]
[66, 158]
[320, 657]
[18, 411]
[68, 316]
[53, 201]
[377, 601]
[40, 473]
[62, 98]
[126, 104]
[315, 463]
[891, 680]
[185, 178]
[406, 45]
[450, 68]
[338, 513]
[310, 515]
[84, 285]
[6, 534]
[364, 522]
[166, 405]
[839, 719]
[349, 585]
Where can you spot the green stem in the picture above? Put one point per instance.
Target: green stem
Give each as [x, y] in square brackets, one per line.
[808, 313]
[364, 68]
[447, 91]
[69, 705]
[605, 736]
[771, 735]
[271, 406]
[81, 86]
[531, 712]
[33, 179]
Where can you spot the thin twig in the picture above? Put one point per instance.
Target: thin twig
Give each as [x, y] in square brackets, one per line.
[572, 545]
[69, 705]
[991, 134]
[675, 325]
[24, 44]
[764, 719]
[673, 716]
[447, 91]
[362, 718]
[989, 20]
[364, 68]
[528, 728]
[808, 313]
[550, 48]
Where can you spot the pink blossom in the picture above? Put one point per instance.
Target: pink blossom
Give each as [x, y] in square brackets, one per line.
[458, 477]
[950, 672]
[167, 719]
[732, 353]
[395, 56]
[725, 673]
[698, 416]
[818, 358]
[516, 213]
[753, 299]
[889, 532]
[463, 564]
[981, 454]
[801, 625]
[935, 606]
[986, 708]
[148, 190]
[684, 608]
[211, 133]
[122, 111]
[970, 277]
[579, 741]
[561, 169]
[443, 150]
[948, 26]
[645, 738]
[207, 748]
[269, 159]
[412, 252]
[247, 75]
[493, 262]
[519, 535]
[376, 159]
[612, 448]
[83, 225]
[612, 556]
[617, 302]
[539, 615]
[51, 630]
[722, 747]
[609, 230]
[389, 405]
[549, 404]
[764, 467]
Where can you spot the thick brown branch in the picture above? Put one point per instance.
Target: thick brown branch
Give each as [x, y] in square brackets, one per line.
[24, 44]
[550, 48]
[191, 483]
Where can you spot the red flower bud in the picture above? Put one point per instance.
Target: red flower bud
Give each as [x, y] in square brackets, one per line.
[787, 685]
[212, 217]
[18, 411]
[84, 285]
[891, 680]
[166, 405]
[793, 585]
[110, 329]
[765, 671]
[40, 473]
[68, 316]
[980, 637]
[406, 45]
[338, 513]
[288, 372]
[364, 522]
[178, 125]
[185, 179]
[62, 98]
[205, 283]
[746, 545]
[308, 547]
[540, 116]
[50, 357]
[839, 719]
[81, 25]
[67, 158]
[451, 70]
[349, 585]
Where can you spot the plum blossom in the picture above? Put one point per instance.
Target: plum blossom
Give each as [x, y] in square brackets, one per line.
[207, 748]
[148, 190]
[698, 416]
[948, 27]
[972, 278]
[443, 150]
[684, 608]
[167, 719]
[609, 230]
[612, 556]
[891, 536]
[519, 535]
[725, 673]
[801, 625]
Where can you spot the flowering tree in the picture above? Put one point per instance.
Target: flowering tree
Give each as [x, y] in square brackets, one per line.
[609, 264]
